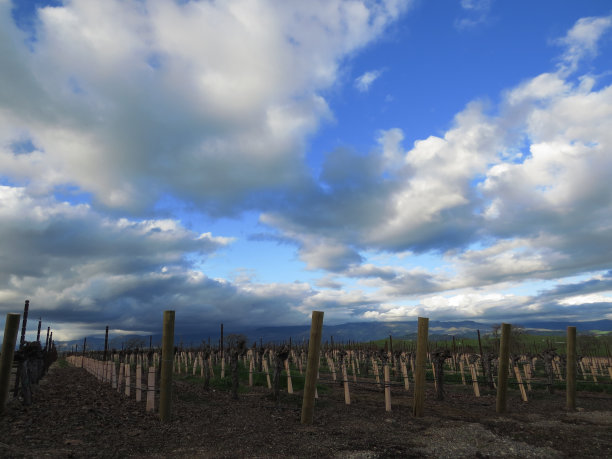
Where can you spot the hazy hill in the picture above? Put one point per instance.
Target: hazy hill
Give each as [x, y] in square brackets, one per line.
[355, 331]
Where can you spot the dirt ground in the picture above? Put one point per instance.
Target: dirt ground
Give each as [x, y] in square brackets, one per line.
[74, 415]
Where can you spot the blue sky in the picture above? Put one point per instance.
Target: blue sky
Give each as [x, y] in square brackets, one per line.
[248, 162]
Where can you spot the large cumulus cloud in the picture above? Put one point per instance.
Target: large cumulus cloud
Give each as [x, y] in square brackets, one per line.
[509, 193]
[207, 101]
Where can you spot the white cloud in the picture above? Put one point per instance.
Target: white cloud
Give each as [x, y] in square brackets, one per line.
[582, 39]
[521, 182]
[498, 303]
[475, 4]
[391, 144]
[202, 103]
[208, 102]
[476, 13]
[364, 81]
[585, 299]
[542, 87]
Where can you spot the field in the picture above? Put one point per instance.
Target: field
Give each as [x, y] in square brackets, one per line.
[75, 415]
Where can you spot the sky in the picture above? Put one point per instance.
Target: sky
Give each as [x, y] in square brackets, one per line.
[250, 161]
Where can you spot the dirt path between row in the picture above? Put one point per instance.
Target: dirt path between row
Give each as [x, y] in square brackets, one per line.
[73, 415]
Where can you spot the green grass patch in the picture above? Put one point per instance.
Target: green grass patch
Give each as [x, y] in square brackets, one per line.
[259, 379]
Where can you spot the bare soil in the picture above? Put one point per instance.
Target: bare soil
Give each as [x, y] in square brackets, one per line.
[74, 415]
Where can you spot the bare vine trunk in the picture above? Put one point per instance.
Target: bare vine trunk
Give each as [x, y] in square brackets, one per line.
[438, 357]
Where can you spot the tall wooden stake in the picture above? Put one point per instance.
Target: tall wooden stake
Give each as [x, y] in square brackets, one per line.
[347, 394]
[312, 369]
[571, 369]
[502, 372]
[482, 364]
[105, 344]
[138, 382]
[24, 322]
[419, 374]
[11, 328]
[387, 386]
[221, 341]
[150, 389]
[38, 332]
[165, 390]
[221, 345]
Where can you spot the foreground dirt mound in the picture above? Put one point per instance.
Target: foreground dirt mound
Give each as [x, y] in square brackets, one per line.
[73, 415]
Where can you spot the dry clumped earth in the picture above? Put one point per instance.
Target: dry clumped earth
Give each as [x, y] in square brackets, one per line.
[73, 415]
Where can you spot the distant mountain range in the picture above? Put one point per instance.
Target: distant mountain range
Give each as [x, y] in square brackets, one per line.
[354, 331]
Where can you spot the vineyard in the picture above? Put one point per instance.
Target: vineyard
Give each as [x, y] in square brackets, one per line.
[233, 399]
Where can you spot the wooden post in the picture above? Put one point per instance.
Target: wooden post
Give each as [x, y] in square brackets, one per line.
[474, 379]
[419, 375]
[404, 372]
[521, 385]
[289, 382]
[435, 377]
[594, 372]
[113, 375]
[582, 370]
[265, 369]
[558, 368]
[482, 360]
[332, 367]
[83, 353]
[120, 377]
[502, 373]
[347, 395]
[26, 308]
[527, 371]
[11, 329]
[387, 387]
[105, 343]
[38, 331]
[165, 394]
[312, 368]
[376, 372]
[570, 387]
[222, 354]
[151, 390]
[128, 379]
[461, 372]
[138, 383]
[299, 361]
